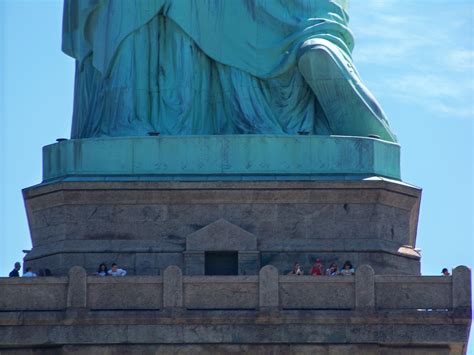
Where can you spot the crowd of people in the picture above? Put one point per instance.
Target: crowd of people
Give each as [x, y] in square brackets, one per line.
[319, 270]
[113, 271]
[347, 269]
[28, 272]
[103, 270]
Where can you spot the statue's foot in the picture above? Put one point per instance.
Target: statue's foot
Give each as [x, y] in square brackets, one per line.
[348, 105]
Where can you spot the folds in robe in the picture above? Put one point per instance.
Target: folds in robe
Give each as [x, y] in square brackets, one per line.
[261, 37]
[197, 66]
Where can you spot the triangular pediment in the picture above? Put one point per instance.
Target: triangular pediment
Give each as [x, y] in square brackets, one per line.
[219, 236]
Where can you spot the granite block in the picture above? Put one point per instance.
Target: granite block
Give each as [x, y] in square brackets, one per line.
[115, 293]
[365, 288]
[35, 294]
[413, 292]
[311, 292]
[221, 235]
[172, 287]
[118, 221]
[77, 288]
[268, 287]
[462, 292]
[221, 292]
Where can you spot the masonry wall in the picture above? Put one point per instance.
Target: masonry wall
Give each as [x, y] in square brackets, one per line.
[146, 226]
[172, 290]
[268, 313]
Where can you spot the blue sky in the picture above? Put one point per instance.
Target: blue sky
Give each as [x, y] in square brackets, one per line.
[416, 56]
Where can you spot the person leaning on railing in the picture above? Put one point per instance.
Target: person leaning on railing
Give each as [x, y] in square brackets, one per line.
[116, 271]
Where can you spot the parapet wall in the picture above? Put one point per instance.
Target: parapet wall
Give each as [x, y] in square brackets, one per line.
[266, 313]
[268, 290]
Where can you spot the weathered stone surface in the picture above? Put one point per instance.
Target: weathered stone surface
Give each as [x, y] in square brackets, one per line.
[146, 227]
[238, 330]
[249, 263]
[115, 293]
[77, 288]
[221, 292]
[263, 349]
[38, 294]
[321, 292]
[363, 221]
[268, 288]
[413, 292]
[156, 263]
[172, 287]
[194, 262]
[132, 293]
[462, 289]
[223, 311]
[365, 288]
[221, 235]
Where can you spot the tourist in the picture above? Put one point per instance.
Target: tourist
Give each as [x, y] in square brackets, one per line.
[333, 270]
[116, 271]
[102, 270]
[15, 271]
[347, 269]
[297, 270]
[317, 269]
[445, 272]
[29, 273]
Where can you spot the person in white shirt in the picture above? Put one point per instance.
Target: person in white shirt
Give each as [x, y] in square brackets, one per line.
[29, 273]
[116, 271]
[347, 269]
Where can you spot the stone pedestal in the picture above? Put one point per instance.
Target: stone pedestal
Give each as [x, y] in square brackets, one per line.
[148, 226]
[169, 209]
[150, 202]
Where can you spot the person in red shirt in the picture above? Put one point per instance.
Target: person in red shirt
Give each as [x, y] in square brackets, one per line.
[317, 269]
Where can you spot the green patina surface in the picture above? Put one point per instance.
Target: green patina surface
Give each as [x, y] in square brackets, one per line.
[212, 67]
[218, 157]
[229, 85]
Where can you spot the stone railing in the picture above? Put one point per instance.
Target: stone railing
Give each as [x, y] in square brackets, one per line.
[268, 291]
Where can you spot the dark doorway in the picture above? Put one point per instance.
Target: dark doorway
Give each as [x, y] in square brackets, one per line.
[221, 263]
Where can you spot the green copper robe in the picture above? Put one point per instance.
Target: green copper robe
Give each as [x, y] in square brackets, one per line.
[198, 66]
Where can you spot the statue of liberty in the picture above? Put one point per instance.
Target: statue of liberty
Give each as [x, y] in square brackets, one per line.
[206, 67]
